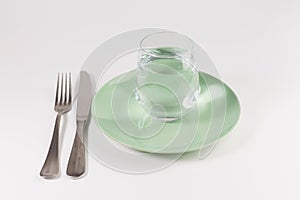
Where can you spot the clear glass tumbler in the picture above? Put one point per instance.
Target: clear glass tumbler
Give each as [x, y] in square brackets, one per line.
[167, 81]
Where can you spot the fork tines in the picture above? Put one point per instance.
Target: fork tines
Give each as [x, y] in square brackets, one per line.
[63, 89]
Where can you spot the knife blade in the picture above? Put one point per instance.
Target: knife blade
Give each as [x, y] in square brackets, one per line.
[84, 96]
[77, 161]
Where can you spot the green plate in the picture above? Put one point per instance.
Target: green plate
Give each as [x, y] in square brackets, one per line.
[116, 111]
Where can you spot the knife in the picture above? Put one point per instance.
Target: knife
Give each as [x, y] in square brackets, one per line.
[76, 164]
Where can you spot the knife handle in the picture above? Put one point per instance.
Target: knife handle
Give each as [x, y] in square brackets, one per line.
[76, 164]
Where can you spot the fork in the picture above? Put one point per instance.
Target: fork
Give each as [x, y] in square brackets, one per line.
[63, 104]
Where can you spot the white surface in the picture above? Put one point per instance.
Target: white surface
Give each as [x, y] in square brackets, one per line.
[255, 45]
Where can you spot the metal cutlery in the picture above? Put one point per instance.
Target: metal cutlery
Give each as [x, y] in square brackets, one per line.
[77, 161]
[63, 104]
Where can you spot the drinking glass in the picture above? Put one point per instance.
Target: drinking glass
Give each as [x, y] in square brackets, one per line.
[167, 81]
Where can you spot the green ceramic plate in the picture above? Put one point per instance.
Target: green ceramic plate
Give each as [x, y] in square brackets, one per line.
[116, 111]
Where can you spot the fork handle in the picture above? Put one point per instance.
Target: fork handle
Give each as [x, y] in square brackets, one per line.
[50, 168]
[76, 164]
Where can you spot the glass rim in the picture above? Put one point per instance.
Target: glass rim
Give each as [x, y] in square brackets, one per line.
[147, 49]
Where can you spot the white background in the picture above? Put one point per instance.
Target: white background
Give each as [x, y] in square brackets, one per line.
[255, 45]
